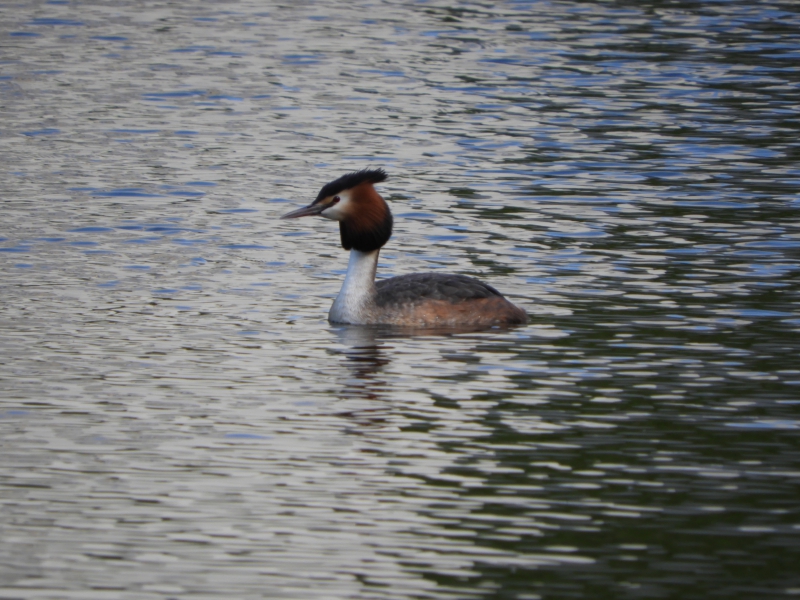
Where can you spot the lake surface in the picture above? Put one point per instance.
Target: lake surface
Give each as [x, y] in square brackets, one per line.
[178, 418]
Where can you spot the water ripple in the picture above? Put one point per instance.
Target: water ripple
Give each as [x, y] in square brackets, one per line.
[180, 419]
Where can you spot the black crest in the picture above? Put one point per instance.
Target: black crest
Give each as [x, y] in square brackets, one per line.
[351, 180]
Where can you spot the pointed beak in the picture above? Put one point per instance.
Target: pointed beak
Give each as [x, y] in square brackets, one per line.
[306, 211]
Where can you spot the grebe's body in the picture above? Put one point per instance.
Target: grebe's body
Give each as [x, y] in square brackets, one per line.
[418, 300]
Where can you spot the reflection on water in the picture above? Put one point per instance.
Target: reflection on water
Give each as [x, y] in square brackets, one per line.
[178, 418]
[365, 357]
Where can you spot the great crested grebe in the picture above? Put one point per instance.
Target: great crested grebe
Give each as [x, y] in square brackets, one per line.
[420, 299]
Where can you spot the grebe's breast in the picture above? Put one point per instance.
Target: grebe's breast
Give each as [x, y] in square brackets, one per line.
[433, 299]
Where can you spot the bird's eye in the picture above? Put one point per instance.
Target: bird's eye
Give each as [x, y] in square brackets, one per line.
[335, 199]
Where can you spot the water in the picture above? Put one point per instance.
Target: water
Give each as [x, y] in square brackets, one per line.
[178, 418]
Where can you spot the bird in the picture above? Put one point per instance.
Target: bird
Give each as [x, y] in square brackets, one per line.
[415, 300]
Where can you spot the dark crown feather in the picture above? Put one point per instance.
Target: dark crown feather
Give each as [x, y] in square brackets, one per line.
[351, 180]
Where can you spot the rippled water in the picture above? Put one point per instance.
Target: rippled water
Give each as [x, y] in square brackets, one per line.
[178, 418]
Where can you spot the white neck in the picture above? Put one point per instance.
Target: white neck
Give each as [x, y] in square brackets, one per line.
[353, 303]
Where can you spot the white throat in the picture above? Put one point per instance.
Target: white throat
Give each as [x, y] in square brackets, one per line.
[354, 301]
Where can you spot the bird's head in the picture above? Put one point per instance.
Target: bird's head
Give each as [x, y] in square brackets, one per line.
[365, 221]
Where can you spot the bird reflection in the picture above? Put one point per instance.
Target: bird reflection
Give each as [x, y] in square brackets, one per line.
[365, 354]
[368, 350]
